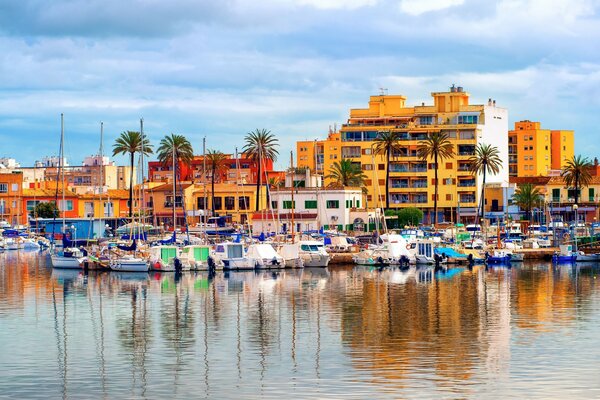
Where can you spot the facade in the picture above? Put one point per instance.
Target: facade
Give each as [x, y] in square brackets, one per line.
[112, 203]
[411, 178]
[229, 199]
[241, 169]
[11, 192]
[534, 151]
[31, 197]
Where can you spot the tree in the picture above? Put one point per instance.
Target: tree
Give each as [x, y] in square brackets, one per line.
[260, 145]
[486, 160]
[410, 216]
[216, 166]
[346, 173]
[526, 197]
[576, 174]
[45, 210]
[438, 147]
[385, 145]
[131, 142]
[178, 147]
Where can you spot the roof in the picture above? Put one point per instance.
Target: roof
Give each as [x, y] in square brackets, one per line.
[47, 193]
[269, 215]
[534, 180]
[168, 187]
[112, 193]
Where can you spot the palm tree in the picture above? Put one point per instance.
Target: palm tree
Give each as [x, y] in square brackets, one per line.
[576, 174]
[486, 160]
[346, 173]
[385, 145]
[215, 164]
[180, 148]
[438, 147]
[131, 142]
[260, 145]
[526, 197]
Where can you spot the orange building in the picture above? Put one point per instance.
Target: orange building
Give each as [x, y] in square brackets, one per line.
[31, 197]
[11, 190]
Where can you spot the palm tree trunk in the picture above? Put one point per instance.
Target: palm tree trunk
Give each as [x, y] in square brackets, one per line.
[576, 188]
[387, 180]
[258, 186]
[435, 196]
[212, 188]
[482, 195]
[130, 186]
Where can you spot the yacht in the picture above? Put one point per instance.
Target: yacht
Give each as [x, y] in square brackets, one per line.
[231, 256]
[129, 263]
[196, 256]
[71, 257]
[313, 253]
[265, 256]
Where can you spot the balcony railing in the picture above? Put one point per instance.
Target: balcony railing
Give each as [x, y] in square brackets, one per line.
[170, 204]
[466, 183]
[466, 153]
[399, 185]
[419, 185]
[467, 199]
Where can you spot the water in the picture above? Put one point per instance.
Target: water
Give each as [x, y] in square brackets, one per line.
[342, 332]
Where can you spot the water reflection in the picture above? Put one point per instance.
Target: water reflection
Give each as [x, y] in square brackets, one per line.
[342, 331]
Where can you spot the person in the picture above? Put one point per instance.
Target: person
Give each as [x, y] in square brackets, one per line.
[470, 260]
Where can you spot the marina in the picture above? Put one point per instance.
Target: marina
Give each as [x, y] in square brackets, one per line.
[341, 331]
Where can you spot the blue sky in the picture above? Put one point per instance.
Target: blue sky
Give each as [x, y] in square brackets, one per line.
[222, 68]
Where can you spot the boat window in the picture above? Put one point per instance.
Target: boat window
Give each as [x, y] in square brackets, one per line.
[305, 247]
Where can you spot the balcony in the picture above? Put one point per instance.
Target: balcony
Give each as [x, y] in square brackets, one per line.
[467, 199]
[466, 153]
[396, 185]
[419, 185]
[419, 199]
[468, 183]
[169, 204]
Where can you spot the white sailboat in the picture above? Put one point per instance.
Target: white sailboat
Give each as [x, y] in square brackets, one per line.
[71, 257]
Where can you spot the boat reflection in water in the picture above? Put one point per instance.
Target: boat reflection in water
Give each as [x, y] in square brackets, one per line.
[352, 332]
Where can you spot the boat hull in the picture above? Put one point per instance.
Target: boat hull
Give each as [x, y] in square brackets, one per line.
[66, 262]
[316, 260]
[130, 265]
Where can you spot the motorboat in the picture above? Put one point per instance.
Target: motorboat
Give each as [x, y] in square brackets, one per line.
[291, 254]
[378, 256]
[313, 254]
[566, 255]
[196, 256]
[265, 256]
[129, 263]
[499, 257]
[582, 257]
[71, 257]
[337, 244]
[423, 251]
[162, 258]
[231, 256]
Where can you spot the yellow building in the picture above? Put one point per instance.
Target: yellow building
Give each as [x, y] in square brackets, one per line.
[237, 201]
[411, 181]
[112, 203]
[533, 151]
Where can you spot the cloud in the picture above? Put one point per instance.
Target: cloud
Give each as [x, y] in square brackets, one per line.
[338, 4]
[418, 7]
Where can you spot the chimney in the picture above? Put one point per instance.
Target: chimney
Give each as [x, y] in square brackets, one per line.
[460, 89]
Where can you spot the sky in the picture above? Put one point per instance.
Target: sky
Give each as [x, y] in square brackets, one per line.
[219, 69]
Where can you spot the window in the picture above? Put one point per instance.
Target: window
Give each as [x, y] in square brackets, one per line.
[449, 165]
[3, 187]
[67, 205]
[546, 147]
[274, 205]
[591, 194]
[351, 152]
[200, 203]
[555, 194]
[357, 204]
[433, 181]
[530, 137]
[433, 197]
[368, 182]
[366, 152]
[218, 203]
[367, 167]
[288, 204]
[229, 203]
[426, 120]
[333, 204]
[448, 197]
[431, 166]
[348, 203]
[381, 182]
[243, 202]
[310, 204]
[381, 167]
[31, 204]
[467, 119]
[369, 197]
[15, 187]
[564, 148]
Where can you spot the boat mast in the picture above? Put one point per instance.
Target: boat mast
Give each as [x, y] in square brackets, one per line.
[174, 192]
[62, 169]
[143, 197]
[292, 186]
[205, 210]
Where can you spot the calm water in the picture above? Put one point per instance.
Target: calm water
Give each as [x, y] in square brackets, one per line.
[533, 332]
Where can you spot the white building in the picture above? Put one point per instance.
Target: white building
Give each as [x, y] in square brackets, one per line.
[94, 160]
[6, 162]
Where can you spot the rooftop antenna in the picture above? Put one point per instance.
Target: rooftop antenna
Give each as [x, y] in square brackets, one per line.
[383, 91]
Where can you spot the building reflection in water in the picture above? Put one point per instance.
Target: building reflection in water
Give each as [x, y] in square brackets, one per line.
[259, 332]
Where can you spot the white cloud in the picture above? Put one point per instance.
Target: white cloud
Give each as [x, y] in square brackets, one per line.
[338, 4]
[418, 7]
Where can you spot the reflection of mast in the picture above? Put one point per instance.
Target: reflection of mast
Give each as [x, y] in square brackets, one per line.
[239, 341]
[61, 366]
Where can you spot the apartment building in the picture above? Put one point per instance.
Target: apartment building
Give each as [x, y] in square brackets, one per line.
[533, 151]
[411, 180]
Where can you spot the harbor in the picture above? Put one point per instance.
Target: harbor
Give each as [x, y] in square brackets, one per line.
[363, 331]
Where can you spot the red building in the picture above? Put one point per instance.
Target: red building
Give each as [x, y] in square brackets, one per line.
[243, 168]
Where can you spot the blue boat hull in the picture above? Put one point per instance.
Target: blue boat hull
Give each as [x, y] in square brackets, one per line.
[491, 260]
[557, 259]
